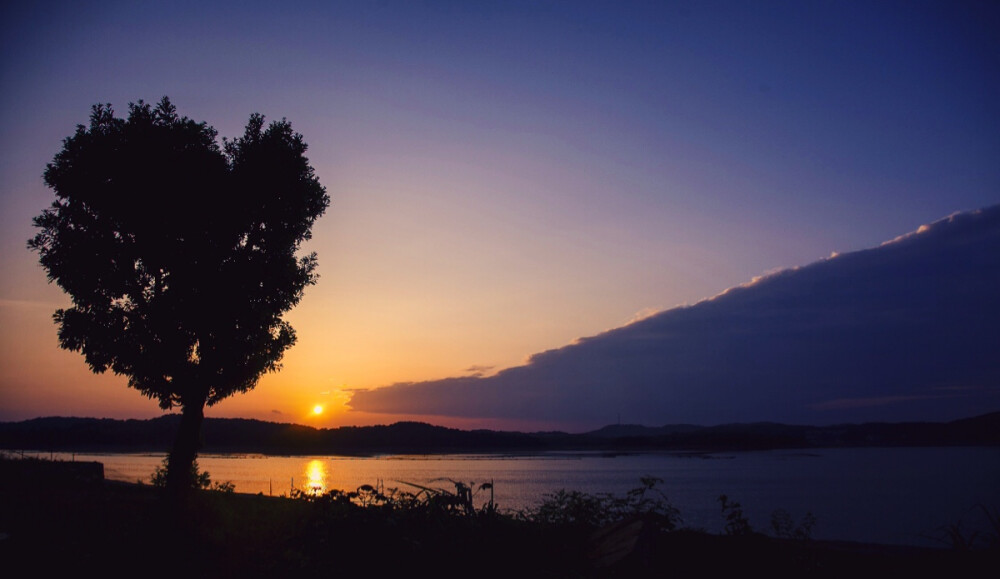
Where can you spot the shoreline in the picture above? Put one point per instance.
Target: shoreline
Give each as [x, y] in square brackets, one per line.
[115, 526]
[911, 514]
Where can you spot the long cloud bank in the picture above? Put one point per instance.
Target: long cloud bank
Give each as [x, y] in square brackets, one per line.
[909, 330]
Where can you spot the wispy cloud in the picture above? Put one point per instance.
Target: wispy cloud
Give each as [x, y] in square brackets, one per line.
[845, 403]
[478, 370]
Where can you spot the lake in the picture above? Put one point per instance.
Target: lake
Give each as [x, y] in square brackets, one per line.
[883, 495]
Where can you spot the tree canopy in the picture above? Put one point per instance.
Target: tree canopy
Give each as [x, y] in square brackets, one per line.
[180, 255]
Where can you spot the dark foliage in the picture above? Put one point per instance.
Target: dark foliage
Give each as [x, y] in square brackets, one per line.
[179, 255]
[737, 522]
[58, 524]
[591, 511]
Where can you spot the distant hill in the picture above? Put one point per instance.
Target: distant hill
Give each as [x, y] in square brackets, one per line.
[242, 435]
[256, 436]
[637, 430]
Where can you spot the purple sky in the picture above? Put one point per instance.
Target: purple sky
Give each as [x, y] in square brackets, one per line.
[508, 177]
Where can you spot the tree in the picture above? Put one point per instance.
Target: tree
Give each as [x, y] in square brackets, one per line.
[180, 256]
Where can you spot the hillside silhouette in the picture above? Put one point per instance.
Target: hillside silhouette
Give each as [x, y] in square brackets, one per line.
[233, 435]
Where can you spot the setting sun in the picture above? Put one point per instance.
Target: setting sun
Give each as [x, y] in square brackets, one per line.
[317, 409]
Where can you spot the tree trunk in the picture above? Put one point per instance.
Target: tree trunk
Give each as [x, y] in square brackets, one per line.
[180, 462]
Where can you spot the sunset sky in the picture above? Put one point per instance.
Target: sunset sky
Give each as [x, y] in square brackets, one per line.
[509, 177]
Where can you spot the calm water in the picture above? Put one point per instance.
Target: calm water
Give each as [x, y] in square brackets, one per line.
[887, 495]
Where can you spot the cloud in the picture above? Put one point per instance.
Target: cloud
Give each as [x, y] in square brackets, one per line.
[643, 314]
[479, 370]
[888, 333]
[867, 402]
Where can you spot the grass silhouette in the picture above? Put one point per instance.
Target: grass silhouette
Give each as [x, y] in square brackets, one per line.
[60, 524]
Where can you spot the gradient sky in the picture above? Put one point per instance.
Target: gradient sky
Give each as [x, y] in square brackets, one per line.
[508, 177]
[906, 331]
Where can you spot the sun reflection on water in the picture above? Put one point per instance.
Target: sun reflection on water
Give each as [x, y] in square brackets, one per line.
[315, 477]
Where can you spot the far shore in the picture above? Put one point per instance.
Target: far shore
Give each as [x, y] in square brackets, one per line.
[240, 436]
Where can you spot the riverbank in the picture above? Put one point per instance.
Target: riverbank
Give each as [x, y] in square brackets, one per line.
[236, 436]
[67, 524]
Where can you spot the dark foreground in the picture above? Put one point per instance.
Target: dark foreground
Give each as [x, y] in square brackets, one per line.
[57, 523]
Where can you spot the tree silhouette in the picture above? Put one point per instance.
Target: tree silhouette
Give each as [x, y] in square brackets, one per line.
[179, 255]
